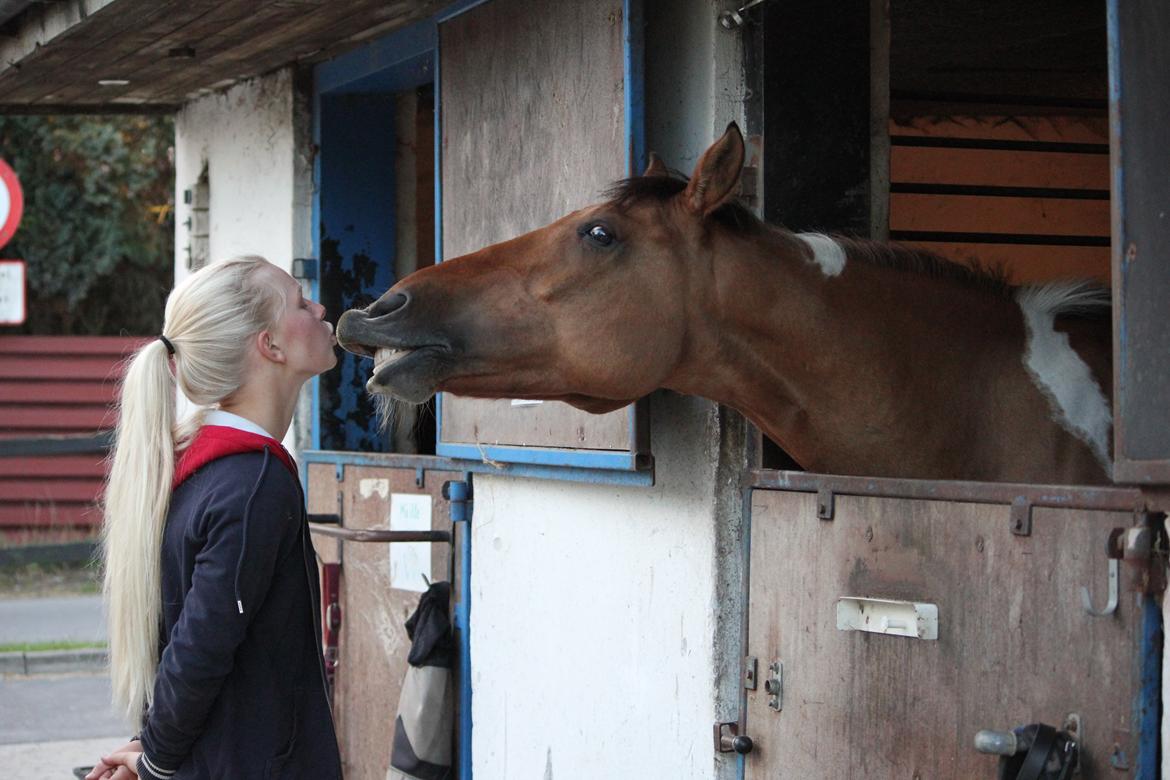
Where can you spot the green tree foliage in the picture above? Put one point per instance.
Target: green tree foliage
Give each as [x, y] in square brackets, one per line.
[97, 232]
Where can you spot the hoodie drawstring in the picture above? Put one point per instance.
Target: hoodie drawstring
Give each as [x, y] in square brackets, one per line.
[247, 513]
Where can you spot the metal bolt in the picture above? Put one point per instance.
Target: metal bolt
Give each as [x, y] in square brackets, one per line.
[869, 534]
[979, 543]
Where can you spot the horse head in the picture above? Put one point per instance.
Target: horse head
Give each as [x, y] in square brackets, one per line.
[591, 309]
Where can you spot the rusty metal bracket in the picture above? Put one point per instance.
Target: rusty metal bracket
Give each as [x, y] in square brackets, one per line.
[750, 672]
[1021, 516]
[1143, 549]
[826, 504]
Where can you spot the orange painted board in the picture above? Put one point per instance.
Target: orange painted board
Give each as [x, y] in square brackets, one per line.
[974, 213]
[999, 167]
[1027, 264]
[1057, 129]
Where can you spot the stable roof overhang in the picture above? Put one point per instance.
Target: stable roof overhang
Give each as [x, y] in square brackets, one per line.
[144, 56]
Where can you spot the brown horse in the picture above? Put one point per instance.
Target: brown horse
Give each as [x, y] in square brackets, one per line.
[856, 357]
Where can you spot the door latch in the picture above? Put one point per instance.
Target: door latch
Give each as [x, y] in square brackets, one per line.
[729, 740]
[774, 685]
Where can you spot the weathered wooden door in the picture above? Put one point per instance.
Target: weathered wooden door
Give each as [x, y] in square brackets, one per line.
[380, 586]
[1015, 644]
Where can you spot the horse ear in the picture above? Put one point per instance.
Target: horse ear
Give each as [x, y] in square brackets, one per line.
[717, 173]
[656, 167]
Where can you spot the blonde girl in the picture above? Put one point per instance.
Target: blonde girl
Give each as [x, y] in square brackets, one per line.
[210, 574]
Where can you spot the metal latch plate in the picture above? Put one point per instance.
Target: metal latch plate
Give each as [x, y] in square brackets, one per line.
[883, 616]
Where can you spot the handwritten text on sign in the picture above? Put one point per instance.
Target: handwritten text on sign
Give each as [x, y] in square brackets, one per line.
[410, 562]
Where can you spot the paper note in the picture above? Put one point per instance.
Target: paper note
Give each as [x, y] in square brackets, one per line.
[410, 562]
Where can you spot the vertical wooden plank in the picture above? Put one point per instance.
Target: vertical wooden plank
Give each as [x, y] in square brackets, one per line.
[533, 127]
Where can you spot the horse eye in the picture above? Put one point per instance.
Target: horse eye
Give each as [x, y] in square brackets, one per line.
[600, 235]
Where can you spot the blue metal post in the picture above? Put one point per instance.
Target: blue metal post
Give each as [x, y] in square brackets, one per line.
[459, 494]
[1149, 703]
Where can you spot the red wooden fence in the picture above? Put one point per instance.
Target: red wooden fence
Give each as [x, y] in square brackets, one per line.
[54, 386]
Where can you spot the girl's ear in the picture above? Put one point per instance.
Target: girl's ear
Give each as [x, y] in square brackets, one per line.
[269, 349]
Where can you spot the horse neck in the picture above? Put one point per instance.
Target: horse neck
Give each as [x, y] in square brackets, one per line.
[838, 369]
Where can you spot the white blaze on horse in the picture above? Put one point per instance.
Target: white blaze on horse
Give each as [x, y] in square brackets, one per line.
[857, 357]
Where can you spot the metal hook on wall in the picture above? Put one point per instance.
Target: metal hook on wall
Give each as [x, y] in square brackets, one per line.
[732, 20]
[1111, 605]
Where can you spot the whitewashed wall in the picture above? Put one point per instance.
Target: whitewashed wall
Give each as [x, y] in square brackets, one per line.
[605, 620]
[245, 136]
[254, 139]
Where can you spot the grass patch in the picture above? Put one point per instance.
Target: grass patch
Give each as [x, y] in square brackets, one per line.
[63, 579]
[37, 647]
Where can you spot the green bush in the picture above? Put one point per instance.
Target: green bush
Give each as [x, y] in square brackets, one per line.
[97, 233]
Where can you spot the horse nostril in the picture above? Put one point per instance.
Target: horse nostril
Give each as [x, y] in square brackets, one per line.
[387, 304]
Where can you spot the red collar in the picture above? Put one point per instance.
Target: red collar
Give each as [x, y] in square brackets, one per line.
[218, 441]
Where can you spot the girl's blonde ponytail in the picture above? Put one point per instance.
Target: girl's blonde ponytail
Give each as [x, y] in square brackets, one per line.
[136, 500]
[210, 319]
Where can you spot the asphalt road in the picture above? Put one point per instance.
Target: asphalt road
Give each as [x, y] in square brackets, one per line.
[54, 707]
[50, 724]
[69, 618]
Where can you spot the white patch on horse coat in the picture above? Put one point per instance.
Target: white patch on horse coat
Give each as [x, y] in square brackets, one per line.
[827, 253]
[1078, 403]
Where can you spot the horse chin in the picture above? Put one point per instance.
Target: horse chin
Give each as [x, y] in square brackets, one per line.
[413, 378]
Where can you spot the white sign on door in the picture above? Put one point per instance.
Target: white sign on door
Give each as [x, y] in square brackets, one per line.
[410, 562]
[12, 306]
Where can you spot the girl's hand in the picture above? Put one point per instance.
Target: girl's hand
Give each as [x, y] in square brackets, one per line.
[121, 764]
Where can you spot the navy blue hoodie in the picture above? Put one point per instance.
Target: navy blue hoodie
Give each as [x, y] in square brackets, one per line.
[240, 690]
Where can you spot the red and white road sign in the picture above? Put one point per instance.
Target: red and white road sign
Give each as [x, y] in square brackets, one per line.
[13, 298]
[11, 203]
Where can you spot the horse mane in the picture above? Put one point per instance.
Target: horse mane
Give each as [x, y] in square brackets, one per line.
[990, 278]
[1079, 298]
[732, 214]
[1076, 298]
